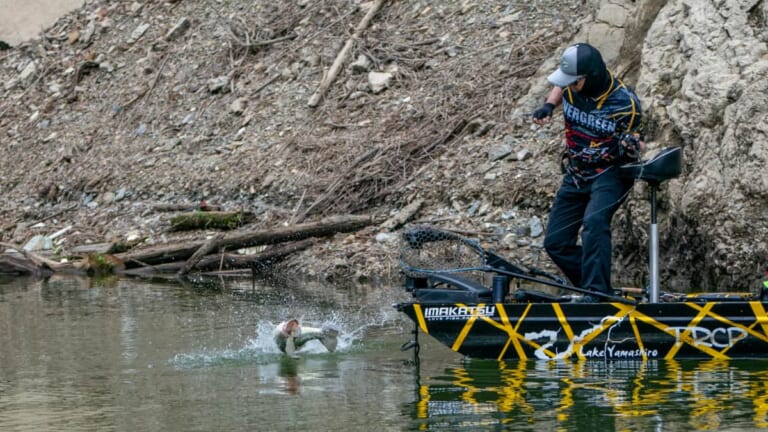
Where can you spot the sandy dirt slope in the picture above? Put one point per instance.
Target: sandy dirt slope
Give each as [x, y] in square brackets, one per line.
[23, 19]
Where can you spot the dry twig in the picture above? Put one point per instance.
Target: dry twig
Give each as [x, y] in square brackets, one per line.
[314, 100]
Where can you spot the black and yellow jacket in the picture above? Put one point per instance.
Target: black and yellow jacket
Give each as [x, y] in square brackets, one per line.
[594, 126]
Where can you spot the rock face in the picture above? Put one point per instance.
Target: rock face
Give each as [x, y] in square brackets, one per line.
[705, 63]
[698, 67]
[168, 102]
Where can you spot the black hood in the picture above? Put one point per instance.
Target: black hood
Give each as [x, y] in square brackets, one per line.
[591, 65]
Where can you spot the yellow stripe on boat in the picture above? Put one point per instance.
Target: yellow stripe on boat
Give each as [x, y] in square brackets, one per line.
[420, 318]
[467, 327]
[512, 333]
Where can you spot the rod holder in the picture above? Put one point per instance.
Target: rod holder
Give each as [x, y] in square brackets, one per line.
[500, 288]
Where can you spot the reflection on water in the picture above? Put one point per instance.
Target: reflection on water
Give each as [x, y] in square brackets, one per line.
[128, 355]
[598, 396]
[121, 354]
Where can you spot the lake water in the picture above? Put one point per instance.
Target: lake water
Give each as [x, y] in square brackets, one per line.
[132, 355]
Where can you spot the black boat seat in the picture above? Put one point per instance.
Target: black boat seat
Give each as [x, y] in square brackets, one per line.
[667, 164]
[458, 282]
[448, 288]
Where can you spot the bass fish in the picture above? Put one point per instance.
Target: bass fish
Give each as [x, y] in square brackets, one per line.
[290, 336]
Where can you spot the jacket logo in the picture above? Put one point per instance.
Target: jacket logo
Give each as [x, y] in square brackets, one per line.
[587, 120]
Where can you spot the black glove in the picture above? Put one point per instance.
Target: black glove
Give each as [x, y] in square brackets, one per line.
[630, 146]
[544, 112]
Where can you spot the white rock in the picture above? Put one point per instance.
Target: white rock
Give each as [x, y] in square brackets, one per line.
[238, 106]
[218, 84]
[181, 26]
[378, 81]
[386, 237]
[39, 242]
[28, 71]
[612, 14]
[90, 29]
[138, 32]
[361, 65]
[524, 154]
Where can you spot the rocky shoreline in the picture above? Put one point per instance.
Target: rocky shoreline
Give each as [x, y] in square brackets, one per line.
[123, 106]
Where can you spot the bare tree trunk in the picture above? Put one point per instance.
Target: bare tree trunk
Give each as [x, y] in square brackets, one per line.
[19, 266]
[234, 241]
[403, 216]
[44, 264]
[225, 261]
[199, 220]
[204, 250]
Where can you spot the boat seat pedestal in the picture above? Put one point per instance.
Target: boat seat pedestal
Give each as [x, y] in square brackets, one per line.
[667, 164]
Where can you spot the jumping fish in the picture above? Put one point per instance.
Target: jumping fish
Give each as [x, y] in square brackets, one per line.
[290, 336]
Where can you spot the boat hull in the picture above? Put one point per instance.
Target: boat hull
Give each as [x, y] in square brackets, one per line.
[679, 330]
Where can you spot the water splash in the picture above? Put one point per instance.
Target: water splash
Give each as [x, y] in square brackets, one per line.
[261, 349]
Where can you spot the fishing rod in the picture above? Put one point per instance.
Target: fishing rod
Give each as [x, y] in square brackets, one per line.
[456, 254]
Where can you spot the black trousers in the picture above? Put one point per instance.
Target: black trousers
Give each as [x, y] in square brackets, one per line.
[589, 204]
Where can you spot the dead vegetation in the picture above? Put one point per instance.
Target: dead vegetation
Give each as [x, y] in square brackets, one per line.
[449, 91]
[148, 110]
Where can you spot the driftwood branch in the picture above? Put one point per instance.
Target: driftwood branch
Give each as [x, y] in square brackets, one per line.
[403, 216]
[10, 264]
[234, 241]
[204, 250]
[220, 262]
[210, 220]
[184, 257]
[201, 206]
[40, 262]
[342, 56]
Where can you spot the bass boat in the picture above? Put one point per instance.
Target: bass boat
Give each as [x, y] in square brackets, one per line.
[482, 306]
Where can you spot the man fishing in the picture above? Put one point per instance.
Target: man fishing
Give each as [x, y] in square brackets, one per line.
[602, 130]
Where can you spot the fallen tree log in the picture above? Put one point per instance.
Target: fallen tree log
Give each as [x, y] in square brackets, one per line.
[403, 216]
[201, 206]
[93, 264]
[221, 262]
[13, 265]
[44, 264]
[207, 247]
[200, 220]
[233, 241]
